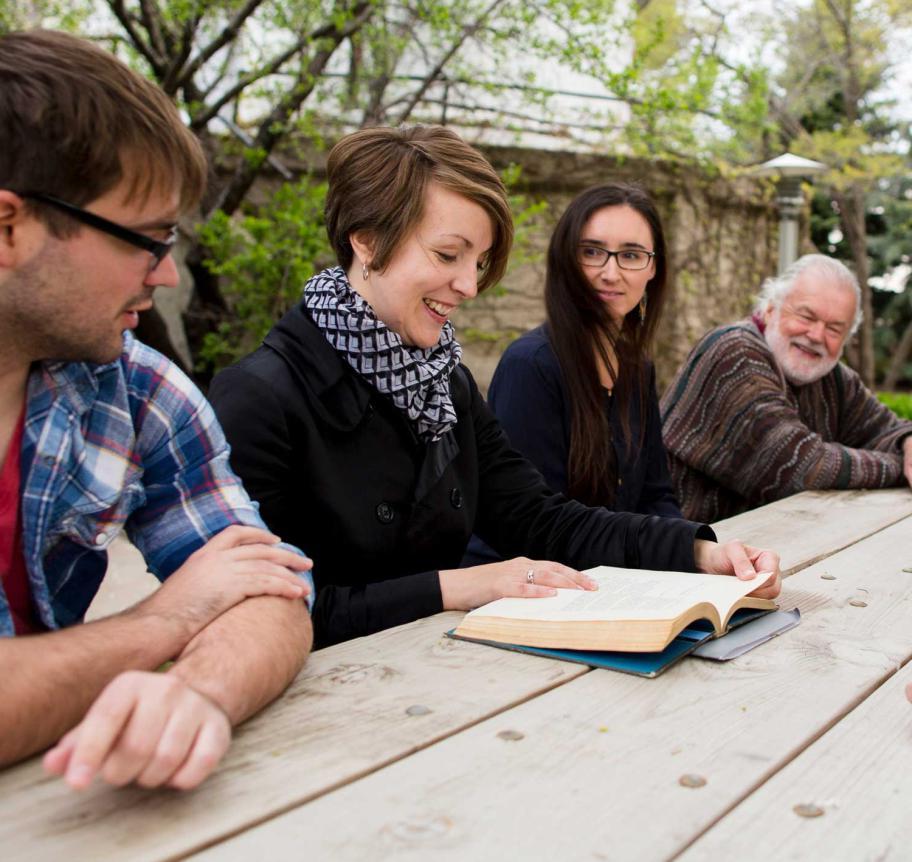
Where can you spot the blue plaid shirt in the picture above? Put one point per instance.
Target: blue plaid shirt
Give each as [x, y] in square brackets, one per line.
[132, 445]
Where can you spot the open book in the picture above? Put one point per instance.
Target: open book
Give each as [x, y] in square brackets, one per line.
[634, 610]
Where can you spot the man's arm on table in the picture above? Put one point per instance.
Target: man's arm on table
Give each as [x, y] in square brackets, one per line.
[49, 680]
[174, 728]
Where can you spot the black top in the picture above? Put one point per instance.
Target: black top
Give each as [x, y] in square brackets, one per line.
[529, 397]
[339, 472]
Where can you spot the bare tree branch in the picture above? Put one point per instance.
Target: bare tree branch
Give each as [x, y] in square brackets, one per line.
[151, 19]
[219, 76]
[207, 112]
[390, 52]
[272, 127]
[434, 74]
[188, 34]
[199, 120]
[228, 35]
[152, 57]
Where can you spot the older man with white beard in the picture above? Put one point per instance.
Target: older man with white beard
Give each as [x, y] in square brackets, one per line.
[763, 408]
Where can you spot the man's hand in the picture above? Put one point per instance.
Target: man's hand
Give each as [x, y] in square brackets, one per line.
[742, 561]
[237, 564]
[907, 459]
[151, 728]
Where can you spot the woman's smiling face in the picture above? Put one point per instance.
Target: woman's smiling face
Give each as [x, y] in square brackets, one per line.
[618, 228]
[432, 272]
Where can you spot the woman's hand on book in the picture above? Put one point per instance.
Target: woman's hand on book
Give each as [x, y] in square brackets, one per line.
[742, 561]
[464, 589]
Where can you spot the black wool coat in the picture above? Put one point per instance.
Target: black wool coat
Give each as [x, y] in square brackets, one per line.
[339, 472]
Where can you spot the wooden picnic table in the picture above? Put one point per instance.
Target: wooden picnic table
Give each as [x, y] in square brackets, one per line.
[407, 745]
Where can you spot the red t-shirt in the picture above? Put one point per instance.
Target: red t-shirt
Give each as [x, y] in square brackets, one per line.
[12, 564]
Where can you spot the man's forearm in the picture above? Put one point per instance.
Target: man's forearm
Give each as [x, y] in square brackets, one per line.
[248, 656]
[49, 680]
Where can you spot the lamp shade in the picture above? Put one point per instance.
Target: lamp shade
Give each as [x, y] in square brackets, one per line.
[789, 165]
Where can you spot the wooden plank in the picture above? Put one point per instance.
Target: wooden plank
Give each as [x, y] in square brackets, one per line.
[346, 715]
[859, 775]
[591, 770]
[807, 527]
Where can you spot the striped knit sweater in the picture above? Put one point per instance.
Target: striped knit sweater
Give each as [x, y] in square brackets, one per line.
[739, 435]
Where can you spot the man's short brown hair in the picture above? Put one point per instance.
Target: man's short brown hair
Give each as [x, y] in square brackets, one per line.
[76, 121]
[377, 183]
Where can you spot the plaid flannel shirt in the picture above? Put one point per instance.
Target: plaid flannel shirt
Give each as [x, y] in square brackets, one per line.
[133, 445]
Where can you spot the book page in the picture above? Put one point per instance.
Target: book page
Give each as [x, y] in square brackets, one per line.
[626, 594]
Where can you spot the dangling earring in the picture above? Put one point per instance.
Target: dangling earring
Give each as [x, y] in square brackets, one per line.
[643, 310]
[365, 273]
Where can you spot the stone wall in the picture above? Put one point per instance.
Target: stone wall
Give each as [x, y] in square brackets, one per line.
[721, 234]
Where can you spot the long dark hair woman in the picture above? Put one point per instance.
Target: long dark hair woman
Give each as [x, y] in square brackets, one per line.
[577, 395]
[367, 442]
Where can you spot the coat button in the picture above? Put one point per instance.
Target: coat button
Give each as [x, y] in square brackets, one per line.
[385, 513]
[620, 482]
[456, 498]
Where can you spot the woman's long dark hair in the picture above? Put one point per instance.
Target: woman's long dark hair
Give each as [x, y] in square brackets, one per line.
[581, 330]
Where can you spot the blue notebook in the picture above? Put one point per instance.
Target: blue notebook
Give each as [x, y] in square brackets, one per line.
[648, 664]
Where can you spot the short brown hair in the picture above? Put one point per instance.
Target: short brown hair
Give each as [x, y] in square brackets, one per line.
[377, 183]
[76, 121]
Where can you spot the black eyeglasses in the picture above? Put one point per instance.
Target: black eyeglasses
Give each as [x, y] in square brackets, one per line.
[627, 258]
[159, 249]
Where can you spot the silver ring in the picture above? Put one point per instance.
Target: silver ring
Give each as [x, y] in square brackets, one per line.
[530, 576]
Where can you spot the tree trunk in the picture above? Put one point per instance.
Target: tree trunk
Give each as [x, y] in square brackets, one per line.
[897, 363]
[852, 219]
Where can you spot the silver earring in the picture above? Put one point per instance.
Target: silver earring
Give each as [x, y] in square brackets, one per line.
[365, 273]
[643, 310]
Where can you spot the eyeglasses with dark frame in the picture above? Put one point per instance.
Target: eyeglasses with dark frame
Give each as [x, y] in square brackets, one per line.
[159, 249]
[627, 258]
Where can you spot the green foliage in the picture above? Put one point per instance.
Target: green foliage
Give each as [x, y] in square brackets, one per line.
[265, 259]
[527, 215]
[57, 14]
[899, 403]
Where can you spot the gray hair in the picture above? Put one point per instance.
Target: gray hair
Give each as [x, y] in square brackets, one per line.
[774, 290]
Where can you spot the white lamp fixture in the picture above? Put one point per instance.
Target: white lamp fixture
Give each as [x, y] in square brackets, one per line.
[790, 170]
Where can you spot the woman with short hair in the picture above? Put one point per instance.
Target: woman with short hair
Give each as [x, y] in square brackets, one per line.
[365, 439]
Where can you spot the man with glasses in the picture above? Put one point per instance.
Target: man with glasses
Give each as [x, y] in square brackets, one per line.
[100, 434]
[763, 409]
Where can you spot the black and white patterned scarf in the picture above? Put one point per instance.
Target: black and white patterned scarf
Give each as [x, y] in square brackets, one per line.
[417, 379]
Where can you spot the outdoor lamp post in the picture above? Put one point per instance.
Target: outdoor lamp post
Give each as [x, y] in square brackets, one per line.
[791, 170]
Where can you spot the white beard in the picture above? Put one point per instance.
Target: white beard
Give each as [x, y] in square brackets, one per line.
[798, 368]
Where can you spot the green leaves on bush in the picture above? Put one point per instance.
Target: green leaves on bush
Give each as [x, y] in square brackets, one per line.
[899, 402]
[264, 260]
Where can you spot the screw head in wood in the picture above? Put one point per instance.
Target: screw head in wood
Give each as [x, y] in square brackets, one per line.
[511, 735]
[807, 810]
